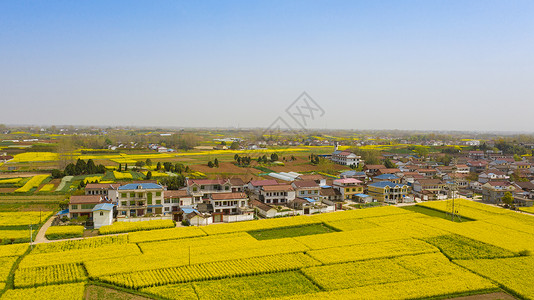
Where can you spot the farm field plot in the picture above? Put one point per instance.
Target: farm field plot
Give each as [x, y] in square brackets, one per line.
[515, 274]
[285, 232]
[251, 287]
[54, 292]
[380, 253]
[402, 269]
[216, 270]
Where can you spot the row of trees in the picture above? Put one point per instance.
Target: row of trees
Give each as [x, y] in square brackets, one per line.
[242, 160]
[79, 168]
[215, 163]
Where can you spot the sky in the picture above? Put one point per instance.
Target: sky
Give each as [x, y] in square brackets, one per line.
[425, 65]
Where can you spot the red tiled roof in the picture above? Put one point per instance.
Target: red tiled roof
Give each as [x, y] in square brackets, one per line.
[305, 184]
[278, 187]
[175, 194]
[263, 182]
[228, 196]
[88, 199]
[102, 186]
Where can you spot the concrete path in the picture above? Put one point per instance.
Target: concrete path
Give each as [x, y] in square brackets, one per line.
[41, 238]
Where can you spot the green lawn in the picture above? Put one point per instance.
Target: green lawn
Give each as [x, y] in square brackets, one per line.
[286, 232]
[434, 213]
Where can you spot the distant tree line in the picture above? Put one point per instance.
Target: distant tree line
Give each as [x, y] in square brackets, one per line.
[79, 168]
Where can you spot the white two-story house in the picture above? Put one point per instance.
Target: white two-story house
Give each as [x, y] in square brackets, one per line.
[139, 199]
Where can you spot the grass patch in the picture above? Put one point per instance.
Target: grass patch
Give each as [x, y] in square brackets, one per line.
[459, 247]
[434, 213]
[285, 232]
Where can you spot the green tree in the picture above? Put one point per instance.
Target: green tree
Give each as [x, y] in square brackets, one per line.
[120, 167]
[236, 156]
[389, 164]
[148, 162]
[90, 167]
[210, 164]
[148, 175]
[508, 198]
[274, 157]
[517, 157]
[216, 163]
[158, 166]
[234, 146]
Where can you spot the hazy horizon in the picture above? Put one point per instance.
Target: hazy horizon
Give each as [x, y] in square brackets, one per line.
[410, 65]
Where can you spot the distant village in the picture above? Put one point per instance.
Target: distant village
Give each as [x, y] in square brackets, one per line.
[490, 176]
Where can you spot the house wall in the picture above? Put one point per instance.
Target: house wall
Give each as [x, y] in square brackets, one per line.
[102, 220]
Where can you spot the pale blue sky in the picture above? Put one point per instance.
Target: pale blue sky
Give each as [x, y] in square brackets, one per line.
[461, 65]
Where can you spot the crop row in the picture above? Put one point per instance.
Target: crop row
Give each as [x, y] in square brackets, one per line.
[259, 225]
[64, 232]
[34, 182]
[166, 234]
[372, 251]
[88, 243]
[64, 273]
[233, 268]
[73, 291]
[160, 255]
[79, 255]
[273, 285]
[120, 227]
[23, 218]
[516, 274]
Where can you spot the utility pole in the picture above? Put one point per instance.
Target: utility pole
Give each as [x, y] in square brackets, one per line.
[31, 237]
[189, 254]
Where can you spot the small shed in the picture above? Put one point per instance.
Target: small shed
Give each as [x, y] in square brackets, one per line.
[102, 215]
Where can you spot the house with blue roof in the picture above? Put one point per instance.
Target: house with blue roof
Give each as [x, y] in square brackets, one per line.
[387, 177]
[387, 191]
[103, 214]
[139, 199]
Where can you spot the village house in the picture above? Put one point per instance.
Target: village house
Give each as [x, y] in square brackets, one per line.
[493, 191]
[492, 175]
[280, 194]
[331, 196]
[387, 177]
[82, 206]
[320, 180]
[264, 210]
[372, 170]
[429, 189]
[255, 186]
[139, 199]
[102, 189]
[228, 203]
[102, 215]
[200, 189]
[476, 155]
[306, 189]
[477, 166]
[346, 158]
[386, 191]
[348, 187]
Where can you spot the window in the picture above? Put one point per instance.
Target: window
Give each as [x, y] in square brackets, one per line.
[101, 213]
[167, 201]
[176, 200]
[194, 189]
[88, 206]
[74, 215]
[123, 195]
[227, 188]
[74, 206]
[132, 195]
[167, 208]
[158, 194]
[158, 201]
[201, 187]
[124, 203]
[139, 195]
